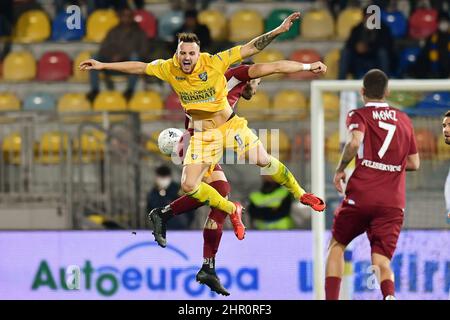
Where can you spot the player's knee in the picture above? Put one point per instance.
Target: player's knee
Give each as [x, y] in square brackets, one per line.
[210, 224]
[188, 186]
[336, 247]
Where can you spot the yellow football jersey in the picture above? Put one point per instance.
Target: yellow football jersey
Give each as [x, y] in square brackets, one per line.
[205, 88]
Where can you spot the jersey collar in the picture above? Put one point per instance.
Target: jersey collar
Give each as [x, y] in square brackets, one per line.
[376, 104]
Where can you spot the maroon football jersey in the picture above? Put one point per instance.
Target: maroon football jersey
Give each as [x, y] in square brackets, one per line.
[379, 175]
[237, 78]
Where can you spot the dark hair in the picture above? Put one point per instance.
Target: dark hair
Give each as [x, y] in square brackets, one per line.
[188, 37]
[192, 13]
[163, 171]
[375, 83]
[447, 114]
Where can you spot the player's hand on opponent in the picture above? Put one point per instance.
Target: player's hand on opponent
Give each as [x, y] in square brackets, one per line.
[338, 177]
[91, 64]
[318, 67]
[287, 23]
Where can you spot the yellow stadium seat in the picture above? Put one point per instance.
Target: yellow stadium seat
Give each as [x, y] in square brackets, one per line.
[270, 55]
[148, 103]
[9, 102]
[152, 143]
[332, 147]
[216, 23]
[290, 104]
[11, 147]
[276, 141]
[92, 146]
[32, 26]
[317, 24]
[245, 25]
[332, 62]
[52, 146]
[79, 75]
[74, 102]
[256, 108]
[19, 66]
[348, 19]
[99, 23]
[331, 105]
[109, 101]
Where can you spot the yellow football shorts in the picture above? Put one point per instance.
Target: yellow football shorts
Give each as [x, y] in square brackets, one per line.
[207, 146]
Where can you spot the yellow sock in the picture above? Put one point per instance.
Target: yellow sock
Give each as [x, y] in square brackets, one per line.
[210, 197]
[281, 174]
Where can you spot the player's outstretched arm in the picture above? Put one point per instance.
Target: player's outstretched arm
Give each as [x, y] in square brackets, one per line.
[259, 70]
[133, 67]
[259, 43]
[349, 152]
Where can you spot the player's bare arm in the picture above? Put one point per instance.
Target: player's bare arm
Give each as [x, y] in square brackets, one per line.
[258, 44]
[413, 162]
[349, 152]
[133, 67]
[259, 70]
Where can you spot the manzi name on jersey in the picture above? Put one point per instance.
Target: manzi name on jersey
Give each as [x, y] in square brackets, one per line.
[206, 95]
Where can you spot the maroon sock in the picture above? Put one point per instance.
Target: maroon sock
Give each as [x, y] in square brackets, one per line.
[387, 288]
[211, 237]
[184, 204]
[332, 287]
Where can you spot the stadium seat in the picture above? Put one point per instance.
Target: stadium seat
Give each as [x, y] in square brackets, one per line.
[426, 143]
[422, 23]
[216, 23]
[289, 104]
[304, 56]
[99, 23]
[52, 146]
[396, 22]
[270, 55]
[61, 30]
[276, 17]
[332, 147]
[347, 19]
[54, 66]
[317, 25]
[148, 103]
[174, 107]
[403, 99]
[274, 140]
[40, 101]
[331, 60]
[257, 108]
[432, 100]
[147, 22]
[32, 26]
[331, 105]
[110, 101]
[11, 148]
[92, 146]
[169, 23]
[408, 58]
[245, 25]
[152, 143]
[9, 102]
[78, 75]
[19, 66]
[73, 102]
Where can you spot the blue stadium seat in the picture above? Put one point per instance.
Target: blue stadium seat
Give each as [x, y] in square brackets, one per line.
[60, 30]
[407, 58]
[435, 100]
[397, 23]
[169, 23]
[40, 101]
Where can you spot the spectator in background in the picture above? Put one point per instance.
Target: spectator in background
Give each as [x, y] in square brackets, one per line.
[366, 49]
[163, 193]
[192, 25]
[270, 207]
[434, 59]
[126, 41]
[6, 26]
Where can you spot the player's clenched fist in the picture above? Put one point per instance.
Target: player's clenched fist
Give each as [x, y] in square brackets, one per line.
[318, 67]
[91, 64]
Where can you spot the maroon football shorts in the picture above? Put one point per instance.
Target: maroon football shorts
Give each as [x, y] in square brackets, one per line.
[382, 224]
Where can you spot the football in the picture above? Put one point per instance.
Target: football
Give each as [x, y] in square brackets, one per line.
[168, 140]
